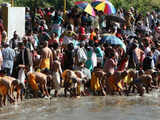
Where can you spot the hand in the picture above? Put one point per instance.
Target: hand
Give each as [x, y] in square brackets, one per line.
[21, 66]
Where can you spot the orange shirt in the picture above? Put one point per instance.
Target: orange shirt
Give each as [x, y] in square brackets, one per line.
[93, 34]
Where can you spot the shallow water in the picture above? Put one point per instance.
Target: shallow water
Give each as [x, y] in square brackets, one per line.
[86, 108]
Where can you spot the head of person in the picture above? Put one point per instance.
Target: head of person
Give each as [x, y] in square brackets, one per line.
[131, 72]
[141, 72]
[146, 44]
[4, 34]
[148, 13]
[15, 35]
[45, 44]
[29, 32]
[70, 47]
[124, 74]
[132, 9]
[82, 44]
[149, 54]
[112, 55]
[134, 46]
[21, 45]
[96, 30]
[55, 46]
[69, 27]
[91, 43]
[153, 49]
[5, 45]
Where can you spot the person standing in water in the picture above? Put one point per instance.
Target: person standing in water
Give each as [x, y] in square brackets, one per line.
[57, 72]
[46, 57]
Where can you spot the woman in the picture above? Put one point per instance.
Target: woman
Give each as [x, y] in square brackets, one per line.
[57, 21]
[89, 62]
[100, 54]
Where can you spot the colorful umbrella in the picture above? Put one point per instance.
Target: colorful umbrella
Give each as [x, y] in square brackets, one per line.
[113, 40]
[86, 7]
[105, 6]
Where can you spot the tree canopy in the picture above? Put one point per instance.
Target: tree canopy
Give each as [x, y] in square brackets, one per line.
[140, 5]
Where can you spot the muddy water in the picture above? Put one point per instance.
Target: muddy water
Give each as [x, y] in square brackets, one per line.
[86, 108]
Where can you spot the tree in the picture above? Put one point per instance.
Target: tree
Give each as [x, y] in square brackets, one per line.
[141, 5]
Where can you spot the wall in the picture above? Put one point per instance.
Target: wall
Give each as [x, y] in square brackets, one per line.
[14, 20]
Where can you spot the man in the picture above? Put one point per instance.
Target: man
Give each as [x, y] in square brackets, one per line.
[25, 57]
[148, 62]
[14, 41]
[24, 62]
[57, 72]
[8, 59]
[37, 81]
[1, 30]
[46, 57]
[138, 55]
[68, 36]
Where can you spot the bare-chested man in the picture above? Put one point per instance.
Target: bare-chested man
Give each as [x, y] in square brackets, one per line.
[46, 57]
[7, 86]
[35, 78]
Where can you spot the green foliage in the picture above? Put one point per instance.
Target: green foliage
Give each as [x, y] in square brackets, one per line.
[140, 5]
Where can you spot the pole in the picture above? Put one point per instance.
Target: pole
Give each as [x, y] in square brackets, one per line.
[12, 3]
[65, 9]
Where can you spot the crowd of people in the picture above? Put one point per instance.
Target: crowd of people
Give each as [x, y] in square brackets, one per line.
[65, 50]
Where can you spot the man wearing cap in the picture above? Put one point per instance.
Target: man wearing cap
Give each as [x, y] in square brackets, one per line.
[8, 59]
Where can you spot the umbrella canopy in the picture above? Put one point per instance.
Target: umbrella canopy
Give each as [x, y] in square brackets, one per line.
[86, 7]
[113, 40]
[129, 33]
[115, 18]
[105, 6]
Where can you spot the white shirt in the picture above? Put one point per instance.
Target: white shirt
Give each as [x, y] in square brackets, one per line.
[147, 50]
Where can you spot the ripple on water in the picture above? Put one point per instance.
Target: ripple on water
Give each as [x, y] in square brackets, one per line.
[87, 108]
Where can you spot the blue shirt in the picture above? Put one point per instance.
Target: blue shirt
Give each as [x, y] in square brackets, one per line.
[8, 57]
[58, 20]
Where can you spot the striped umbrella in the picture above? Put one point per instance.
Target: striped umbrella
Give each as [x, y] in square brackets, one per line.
[86, 7]
[105, 6]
